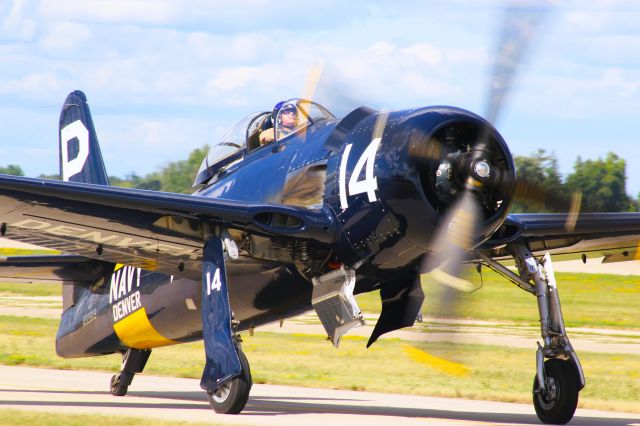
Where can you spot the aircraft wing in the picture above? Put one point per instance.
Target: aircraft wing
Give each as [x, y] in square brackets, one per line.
[588, 235]
[153, 230]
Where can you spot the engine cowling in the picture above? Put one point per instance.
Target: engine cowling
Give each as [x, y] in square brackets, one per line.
[398, 174]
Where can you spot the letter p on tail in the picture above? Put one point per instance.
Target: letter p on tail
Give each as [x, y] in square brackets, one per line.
[80, 156]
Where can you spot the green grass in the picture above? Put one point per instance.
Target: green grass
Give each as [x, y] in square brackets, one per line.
[494, 373]
[35, 289]
[29, 289]
[35, 418]
[588, 300]
[506, 374]
[44, 289]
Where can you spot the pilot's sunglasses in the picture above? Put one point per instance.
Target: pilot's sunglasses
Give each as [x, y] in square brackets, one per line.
[288, 112]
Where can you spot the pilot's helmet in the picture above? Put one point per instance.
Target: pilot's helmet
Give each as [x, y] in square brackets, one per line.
[285, 108]
[276, 109]
[289, 108]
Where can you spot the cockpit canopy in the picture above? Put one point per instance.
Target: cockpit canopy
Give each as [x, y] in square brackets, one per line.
[244, 136]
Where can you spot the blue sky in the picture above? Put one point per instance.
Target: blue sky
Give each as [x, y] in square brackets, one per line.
[164, 77]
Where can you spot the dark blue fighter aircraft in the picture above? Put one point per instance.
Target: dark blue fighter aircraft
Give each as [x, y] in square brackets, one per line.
[328, 209]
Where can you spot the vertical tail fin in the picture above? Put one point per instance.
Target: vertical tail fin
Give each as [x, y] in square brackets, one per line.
[80, 156]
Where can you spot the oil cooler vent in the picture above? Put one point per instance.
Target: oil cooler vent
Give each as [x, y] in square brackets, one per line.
[278, 220]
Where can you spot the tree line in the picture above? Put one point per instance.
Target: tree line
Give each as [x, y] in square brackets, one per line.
[601, 183]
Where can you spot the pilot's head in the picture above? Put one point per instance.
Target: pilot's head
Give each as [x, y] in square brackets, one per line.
[289, 116]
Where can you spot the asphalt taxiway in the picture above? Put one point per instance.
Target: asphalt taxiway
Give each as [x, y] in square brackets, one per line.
[176, 399]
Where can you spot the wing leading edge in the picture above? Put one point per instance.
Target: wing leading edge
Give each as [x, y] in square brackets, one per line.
[615, 236]
[153, 230]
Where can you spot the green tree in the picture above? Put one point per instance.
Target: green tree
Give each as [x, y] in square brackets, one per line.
[603, 184]
[12, 169]
[132, 180]
[540, 187]
[178, 176]
[55, 176]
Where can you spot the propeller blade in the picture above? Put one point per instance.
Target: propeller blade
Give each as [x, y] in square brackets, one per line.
[311, 82]
[521, 23]
[445, 267]
[536, 196]
[453, 239]
[456, 235]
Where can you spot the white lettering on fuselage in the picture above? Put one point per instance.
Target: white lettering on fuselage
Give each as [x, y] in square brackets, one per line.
[89, 317]
[122, 282]
[121, 298]
[126, 306]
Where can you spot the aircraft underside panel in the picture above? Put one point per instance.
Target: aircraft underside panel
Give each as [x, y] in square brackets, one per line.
[135, 308]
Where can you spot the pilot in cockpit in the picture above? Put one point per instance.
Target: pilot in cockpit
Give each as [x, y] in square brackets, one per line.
[285, 119]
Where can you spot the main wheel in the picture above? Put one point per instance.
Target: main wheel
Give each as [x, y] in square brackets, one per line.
[116, 388]
[231, 397]
[559, 402]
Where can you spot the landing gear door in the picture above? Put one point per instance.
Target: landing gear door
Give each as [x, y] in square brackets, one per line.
[223, 363]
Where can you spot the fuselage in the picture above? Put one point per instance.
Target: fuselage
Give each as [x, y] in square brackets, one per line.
[360, 171]
[132, 307]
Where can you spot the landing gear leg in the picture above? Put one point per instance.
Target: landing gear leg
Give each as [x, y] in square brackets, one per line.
[560, 378]
[226, 377]
[133, 361]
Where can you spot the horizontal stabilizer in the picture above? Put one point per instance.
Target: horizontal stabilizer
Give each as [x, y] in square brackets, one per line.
[53, 269]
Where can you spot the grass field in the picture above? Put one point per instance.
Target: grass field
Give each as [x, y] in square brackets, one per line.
[35, 289]
[391, 365]
[588, 300]
[438, 369]
[34, 418]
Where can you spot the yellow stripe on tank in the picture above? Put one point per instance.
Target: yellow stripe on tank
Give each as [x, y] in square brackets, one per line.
[137, 332]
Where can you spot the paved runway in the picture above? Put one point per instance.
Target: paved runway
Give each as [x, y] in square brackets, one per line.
[181, 399]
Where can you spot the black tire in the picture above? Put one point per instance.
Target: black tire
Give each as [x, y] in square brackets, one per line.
[559, 406]
[116, 388]
[232, 397]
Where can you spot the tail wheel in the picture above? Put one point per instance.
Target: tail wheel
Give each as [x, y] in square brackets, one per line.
[116, 388]
[231, 397]
[558, 403]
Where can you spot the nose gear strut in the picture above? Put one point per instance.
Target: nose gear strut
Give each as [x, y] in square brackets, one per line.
[558, 380]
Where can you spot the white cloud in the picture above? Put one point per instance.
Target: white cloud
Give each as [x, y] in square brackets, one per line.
[112, 11]
[133, 143]
[381, 48]
[30, 84]
[229, 16]
[14, 25]
[616, 17]
[64, 37]
[576, 92]
[150, 62]
[425, 52]
[233, 78]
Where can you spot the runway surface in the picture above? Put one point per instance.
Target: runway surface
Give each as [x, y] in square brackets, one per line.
[176, 399]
